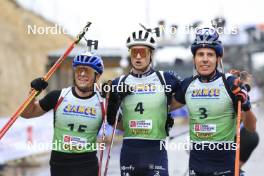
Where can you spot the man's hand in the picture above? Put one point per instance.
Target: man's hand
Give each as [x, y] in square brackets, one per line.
[39, 84]
[240, 92]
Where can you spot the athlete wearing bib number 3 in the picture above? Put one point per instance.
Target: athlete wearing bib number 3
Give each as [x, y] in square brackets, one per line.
[77, 118]
[211, 98]
[144, 109]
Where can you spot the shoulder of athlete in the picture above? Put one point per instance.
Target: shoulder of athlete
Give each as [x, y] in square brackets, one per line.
[50, 100]
[230, 79]
[172, 79]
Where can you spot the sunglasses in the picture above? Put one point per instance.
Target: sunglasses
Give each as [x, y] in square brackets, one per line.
[206, 35]
[143, 52]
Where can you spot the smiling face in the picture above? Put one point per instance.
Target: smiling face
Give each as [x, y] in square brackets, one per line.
[140, 57]
[84, 78]
[205, 61]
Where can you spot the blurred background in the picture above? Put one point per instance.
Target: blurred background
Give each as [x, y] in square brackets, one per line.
[35, 33]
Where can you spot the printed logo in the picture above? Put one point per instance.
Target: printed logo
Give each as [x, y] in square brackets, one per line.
[145, 88]
[206, 93]
[66, 139]
[73, 140]
[140, 124]
[127, 168]
[205, 128]
[133, 124]
[80, 110]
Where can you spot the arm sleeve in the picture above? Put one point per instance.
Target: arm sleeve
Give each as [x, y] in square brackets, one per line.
[230, 82]
[113, 103]
[172, 79]
[50, 100]
[180, 93]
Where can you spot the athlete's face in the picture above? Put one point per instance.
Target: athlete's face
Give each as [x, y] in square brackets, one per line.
[140, 57]
[205, 61]
[84, 77]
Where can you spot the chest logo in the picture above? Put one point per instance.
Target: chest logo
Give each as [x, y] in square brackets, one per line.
[206, 93]
[80, 110]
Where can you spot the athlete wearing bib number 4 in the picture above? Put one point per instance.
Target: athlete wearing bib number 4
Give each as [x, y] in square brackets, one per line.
[144, 109]
[211, 98]
[77, 118]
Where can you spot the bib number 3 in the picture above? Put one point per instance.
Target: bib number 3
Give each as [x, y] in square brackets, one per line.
[203, 112]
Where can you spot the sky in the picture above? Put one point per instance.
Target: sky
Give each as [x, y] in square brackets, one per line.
[114, 20]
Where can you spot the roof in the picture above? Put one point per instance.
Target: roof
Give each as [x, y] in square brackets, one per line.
[103, 52]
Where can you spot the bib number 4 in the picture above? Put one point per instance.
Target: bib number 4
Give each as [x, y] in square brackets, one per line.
[139, 108]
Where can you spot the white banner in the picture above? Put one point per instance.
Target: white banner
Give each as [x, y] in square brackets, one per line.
[26, 137]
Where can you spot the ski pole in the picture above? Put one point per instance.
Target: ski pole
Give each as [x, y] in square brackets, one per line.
[237, 161]
[104, 129]
[222, 66]
[111, 143]
[46, 77]
[103, 135]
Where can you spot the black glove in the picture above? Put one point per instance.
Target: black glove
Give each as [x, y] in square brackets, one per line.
[240, 92]
[39, 84]
[246, 106]
[169, 123]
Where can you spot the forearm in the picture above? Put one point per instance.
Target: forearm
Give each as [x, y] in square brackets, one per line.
[32, 110]
[27, 113]
[249, 121]
[112, 109]
[175, 104]
[120, 125]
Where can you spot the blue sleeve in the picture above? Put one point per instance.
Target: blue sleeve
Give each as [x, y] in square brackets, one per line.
[230, 81]
[115, 82]
[173, 80]
[180, 94]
